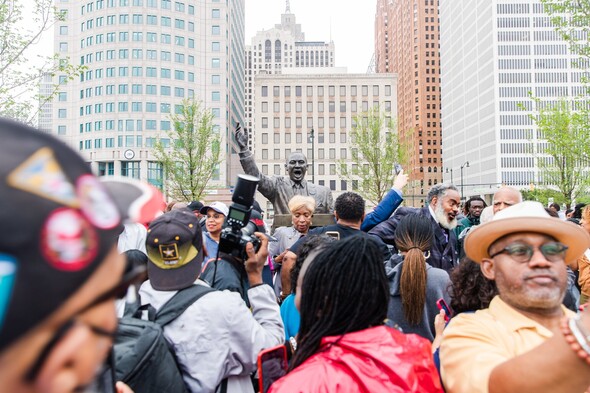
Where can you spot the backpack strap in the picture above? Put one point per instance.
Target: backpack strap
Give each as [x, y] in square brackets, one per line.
[178, 304]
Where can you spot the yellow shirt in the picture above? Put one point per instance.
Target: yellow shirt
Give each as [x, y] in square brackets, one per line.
[475, 343]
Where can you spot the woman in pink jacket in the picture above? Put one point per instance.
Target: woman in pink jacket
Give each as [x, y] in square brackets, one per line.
[343, 344]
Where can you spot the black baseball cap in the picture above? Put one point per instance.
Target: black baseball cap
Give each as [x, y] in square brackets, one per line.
[175, 250]
[58, 222]
[195, 206]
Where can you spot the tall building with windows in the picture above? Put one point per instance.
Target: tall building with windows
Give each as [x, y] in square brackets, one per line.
[142, 59]
[494, 54]
[290, 105]
[281, 48]
[407, 43]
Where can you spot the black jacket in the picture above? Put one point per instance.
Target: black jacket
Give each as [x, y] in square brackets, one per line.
[443, 253]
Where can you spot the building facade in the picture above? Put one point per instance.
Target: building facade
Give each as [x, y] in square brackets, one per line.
[46, 90]
[289, 106]
[276, 50]
[407, 43]
[142, 59]
[494, 54]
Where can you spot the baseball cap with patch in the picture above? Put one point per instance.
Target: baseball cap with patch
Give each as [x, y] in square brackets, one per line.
[58, 222]
[175, 250]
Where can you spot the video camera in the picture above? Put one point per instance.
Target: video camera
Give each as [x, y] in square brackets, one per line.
[238, 230]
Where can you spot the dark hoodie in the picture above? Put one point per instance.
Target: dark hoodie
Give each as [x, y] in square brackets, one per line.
[437, 283]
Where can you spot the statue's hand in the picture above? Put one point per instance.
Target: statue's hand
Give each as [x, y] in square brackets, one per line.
[241, 138]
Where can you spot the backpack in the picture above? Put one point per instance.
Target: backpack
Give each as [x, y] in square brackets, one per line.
[143, 358]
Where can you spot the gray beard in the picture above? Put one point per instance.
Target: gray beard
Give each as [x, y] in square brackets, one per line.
[443, 219]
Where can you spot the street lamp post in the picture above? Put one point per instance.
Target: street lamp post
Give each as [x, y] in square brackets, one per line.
[450, 170]
[312, 138]
[465, 165]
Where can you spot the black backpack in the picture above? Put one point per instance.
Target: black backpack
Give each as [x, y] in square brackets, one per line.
[142, 357]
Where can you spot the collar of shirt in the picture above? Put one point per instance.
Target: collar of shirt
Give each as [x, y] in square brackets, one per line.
[300, 185]
[515, 321]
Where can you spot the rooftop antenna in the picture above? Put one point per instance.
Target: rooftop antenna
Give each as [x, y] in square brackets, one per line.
[288, 10]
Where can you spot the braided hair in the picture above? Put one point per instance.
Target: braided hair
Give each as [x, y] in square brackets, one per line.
[344, 290]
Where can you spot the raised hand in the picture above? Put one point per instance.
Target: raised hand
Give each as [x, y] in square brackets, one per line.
[241, 137]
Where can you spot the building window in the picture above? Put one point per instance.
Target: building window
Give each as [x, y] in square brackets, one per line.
[155, 175]
[130, 169]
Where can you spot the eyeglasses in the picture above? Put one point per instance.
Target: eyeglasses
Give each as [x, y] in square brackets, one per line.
[552, 251]
[137, 274]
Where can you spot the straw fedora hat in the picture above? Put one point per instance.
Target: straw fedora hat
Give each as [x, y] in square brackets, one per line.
[525, 217]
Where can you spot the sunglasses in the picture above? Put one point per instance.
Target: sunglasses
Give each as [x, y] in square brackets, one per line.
[137, 275]
[523, 253]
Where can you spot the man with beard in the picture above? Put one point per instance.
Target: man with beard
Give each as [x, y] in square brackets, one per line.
[279, 189]
[442, 209]
[525, 341]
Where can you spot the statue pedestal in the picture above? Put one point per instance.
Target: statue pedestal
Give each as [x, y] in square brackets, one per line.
[318, 220]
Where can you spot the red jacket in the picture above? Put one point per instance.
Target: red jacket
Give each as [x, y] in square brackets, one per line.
[378, 359]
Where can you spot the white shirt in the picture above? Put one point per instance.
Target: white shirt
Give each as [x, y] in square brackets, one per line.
[218, 337]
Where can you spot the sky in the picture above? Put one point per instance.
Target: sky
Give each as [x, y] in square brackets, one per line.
[349, 23]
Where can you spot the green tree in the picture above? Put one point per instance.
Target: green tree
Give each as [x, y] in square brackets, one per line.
[543, 195]
[193, 156]
[572, 20]
[375, 149]
[563, 159]
[21, 28]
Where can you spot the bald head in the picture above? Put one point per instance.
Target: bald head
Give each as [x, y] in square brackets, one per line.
[506, 197]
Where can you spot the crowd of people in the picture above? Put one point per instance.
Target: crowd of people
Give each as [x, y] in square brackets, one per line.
[456, 297]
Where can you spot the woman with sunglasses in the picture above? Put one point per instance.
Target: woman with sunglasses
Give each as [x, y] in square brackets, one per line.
[414, 285]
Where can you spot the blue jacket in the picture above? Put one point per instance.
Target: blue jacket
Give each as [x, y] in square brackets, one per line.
[383, 210]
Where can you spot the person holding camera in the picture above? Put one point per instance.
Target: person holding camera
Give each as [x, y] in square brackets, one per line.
[217, 339]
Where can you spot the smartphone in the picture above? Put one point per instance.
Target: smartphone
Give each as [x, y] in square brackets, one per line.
[334, 234]
[272, 365]
[398, 168]
[442, 305]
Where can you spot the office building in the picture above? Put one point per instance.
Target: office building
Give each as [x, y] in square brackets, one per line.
[142, 59]
[407, 44]
[278, 49]
[493, 55]
[289, 105]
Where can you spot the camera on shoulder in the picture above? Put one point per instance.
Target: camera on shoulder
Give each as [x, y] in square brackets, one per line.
[238, 230]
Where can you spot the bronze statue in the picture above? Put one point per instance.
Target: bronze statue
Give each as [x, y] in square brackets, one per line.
[280, 189]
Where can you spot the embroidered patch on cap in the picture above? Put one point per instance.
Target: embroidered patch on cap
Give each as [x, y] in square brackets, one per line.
[96, 204]
[68, 241]
[169, 253]
[41, 175]
[172, 255]
[8, 267]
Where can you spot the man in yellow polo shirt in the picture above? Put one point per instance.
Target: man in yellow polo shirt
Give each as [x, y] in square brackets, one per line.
[521, 343]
